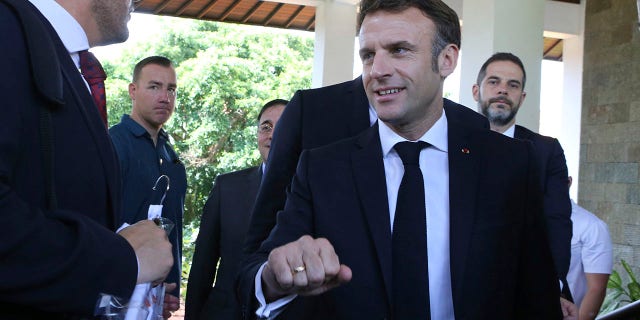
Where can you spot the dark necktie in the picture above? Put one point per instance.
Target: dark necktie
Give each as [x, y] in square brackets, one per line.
[94, 75]
[409, 240]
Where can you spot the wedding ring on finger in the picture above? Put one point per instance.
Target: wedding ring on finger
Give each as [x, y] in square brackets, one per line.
[299, 269]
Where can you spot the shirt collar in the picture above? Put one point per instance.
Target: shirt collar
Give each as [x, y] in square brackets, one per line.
[510, 132]
[437, 136]
[137, 130]
[373, 116]
[68, 29]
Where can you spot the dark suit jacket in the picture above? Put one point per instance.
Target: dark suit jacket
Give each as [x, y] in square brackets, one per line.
[224, 223]
[557, 204]
[54, 261]
[501, 267]
[315, 118]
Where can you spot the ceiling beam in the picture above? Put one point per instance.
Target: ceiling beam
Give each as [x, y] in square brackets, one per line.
[268, 18]
[206, 9]
[184, 7]
[228, 11]
[293, 16]
[161, 7]
[251, 12]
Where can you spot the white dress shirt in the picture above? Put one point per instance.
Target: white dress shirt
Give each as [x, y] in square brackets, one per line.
[591, 250]
[69, 30]
[510, 132]
[434, 163]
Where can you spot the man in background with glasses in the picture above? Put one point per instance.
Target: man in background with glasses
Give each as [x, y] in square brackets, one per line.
[223, 226]
[145, 154]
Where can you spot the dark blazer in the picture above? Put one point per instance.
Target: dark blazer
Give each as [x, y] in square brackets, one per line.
[315, 118]
[224, 223]
[557, 204]
[56, 259]
[501, 267]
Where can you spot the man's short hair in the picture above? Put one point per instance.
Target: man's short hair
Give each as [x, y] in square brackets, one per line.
[159, 60]
[445, 19]
[272, 103]
[502, 56]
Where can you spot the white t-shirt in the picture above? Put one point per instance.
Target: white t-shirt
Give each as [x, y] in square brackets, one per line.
[591, 250]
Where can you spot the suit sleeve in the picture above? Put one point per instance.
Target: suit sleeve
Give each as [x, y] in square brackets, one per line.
[52, 260]
[557, 207]
[205, 256]
[123, 163]
[292, 223]
[283, 158]
[538, 290]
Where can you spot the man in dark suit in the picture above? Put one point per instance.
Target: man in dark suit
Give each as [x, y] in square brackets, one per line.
[499, 91]
[59, 183]
[332, 253]
[314, 118]
[224, 223]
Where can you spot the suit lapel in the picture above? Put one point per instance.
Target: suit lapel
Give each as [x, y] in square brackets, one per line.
[253, 183]
[359, 108]
[99, 134]
[522, 133]
[368, 170]
[463, 181]
[247, 199]
[46, 72]
[51, 84]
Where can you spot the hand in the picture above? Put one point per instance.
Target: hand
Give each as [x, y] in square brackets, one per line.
[152, 249]
[569, 309]
[306, 267]
[171, 302]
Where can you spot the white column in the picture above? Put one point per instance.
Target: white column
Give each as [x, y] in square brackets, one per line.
[562, 115]
[491, 26]
[335, 31]
[569, 135]
[571, 108]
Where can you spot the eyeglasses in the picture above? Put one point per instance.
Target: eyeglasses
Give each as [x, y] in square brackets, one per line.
[265, 128]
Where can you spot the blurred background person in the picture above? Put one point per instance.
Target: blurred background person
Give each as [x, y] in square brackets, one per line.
[145, 154]
[591, 260]
[223, 226]
[499, 91]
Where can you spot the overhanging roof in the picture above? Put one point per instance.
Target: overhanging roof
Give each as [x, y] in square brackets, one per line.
[270, 14]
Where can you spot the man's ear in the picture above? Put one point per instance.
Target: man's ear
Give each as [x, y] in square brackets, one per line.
[475, 90]
[448, 60]
[132, 91]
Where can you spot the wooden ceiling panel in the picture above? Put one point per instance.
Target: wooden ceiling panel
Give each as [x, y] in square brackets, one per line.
[270, 14]
[552, 49]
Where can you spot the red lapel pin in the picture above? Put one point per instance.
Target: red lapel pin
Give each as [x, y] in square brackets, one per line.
[465, 151]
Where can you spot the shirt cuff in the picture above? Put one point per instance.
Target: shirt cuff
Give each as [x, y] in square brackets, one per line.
[273, 309]
[561, 285]
[124, 225]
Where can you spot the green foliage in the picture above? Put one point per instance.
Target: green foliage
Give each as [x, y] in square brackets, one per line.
[225, 74]
[189, 234]
[618, 292]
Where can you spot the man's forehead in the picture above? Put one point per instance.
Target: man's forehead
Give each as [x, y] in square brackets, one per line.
[384, 20]
[504, 70]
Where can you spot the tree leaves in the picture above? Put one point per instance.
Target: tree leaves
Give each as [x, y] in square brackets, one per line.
[225, 73]
[619, 293]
